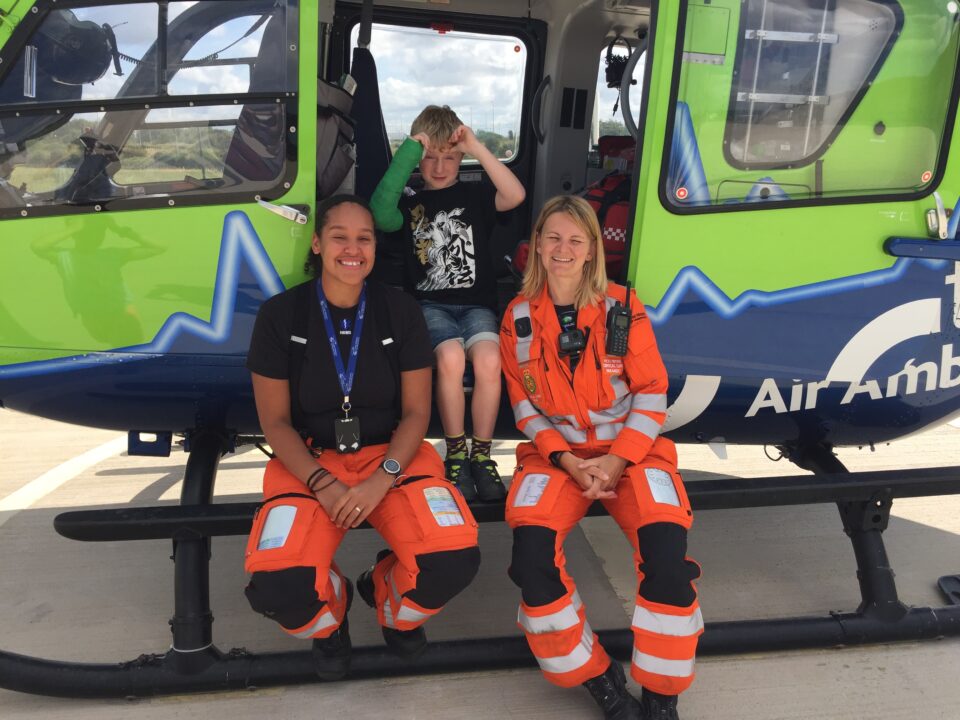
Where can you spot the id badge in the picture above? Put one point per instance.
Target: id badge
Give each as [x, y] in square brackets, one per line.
[347, 434]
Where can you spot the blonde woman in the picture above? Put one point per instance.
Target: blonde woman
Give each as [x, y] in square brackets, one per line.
[593, 413]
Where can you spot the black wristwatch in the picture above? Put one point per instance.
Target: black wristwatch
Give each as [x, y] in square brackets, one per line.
[555, 458]
[391, 467]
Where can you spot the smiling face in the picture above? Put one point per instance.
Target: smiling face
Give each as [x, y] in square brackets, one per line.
[440, 168]
[564, 247]
[346, 245]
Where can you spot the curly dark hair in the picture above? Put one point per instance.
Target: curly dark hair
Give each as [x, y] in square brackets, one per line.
[313, 264]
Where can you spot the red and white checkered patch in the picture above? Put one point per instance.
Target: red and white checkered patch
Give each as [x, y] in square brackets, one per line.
[616, 236]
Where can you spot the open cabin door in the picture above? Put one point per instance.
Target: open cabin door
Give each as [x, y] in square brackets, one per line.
[485, 67]
[786, 142]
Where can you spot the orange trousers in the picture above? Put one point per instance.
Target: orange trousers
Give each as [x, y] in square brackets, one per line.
[426, 523]
[652, 510]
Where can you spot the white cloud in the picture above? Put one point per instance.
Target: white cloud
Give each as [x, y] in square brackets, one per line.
[479, 76]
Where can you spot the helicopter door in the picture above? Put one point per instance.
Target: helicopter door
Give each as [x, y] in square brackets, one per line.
[485, 68]
[786, 141]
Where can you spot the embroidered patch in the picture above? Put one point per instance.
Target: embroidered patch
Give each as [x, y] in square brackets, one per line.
[529, 383]
[531, 490]
[276, 528]
[443, 506]
[613, 365]
[661, 486]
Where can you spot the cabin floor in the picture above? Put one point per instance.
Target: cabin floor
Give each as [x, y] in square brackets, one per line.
[106, 602]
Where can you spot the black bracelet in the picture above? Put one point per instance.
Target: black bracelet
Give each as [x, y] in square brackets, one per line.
[325, 486]
[555, 458]
[321, 472]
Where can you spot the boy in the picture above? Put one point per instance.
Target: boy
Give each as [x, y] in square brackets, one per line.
[449, 266]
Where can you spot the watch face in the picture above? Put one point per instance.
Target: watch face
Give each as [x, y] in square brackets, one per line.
[391, 466]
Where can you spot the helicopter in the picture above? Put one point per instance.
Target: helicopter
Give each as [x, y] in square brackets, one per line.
[794, 197]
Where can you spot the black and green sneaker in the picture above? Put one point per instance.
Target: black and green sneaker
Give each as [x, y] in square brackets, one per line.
[458, 473]
[489, 484]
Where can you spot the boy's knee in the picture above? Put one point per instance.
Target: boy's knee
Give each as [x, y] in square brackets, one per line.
[486, 363]
[451, 359]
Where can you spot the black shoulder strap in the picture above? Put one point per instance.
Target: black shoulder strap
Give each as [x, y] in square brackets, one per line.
[385, 335]
[298, 348]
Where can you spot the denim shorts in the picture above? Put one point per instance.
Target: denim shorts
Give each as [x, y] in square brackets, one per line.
[467, 323]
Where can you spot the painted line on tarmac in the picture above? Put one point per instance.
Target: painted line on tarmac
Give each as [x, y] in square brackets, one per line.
[45, 484]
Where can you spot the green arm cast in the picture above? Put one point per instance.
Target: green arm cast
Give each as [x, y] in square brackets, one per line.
[384, 201]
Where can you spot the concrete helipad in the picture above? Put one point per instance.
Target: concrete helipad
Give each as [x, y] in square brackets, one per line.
[107, 602]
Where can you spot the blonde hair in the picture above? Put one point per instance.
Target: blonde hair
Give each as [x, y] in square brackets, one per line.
[593, 283]
[437, 123]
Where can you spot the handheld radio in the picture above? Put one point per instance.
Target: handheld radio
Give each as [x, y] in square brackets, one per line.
[618, 327]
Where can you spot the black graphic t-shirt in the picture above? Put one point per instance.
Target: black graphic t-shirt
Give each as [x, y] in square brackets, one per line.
[449, 251]
[374, 392]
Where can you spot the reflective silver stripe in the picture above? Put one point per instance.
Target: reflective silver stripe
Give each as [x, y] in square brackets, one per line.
[653, 403]
[571, 434]
[619, 386]
[563, 619]
[522, 310]
[564, 420]
[536, 425]
[408, 614]
[325, 620]
[388, 614]
[660, 666]
[617, 412]
[610, 302]
[574, 660]
[335, 581]
[663, 624]
[523, 409]
[643, 424]
[608, 431]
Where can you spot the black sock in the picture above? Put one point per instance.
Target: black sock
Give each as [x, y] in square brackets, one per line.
[480, 449]
[456, 447]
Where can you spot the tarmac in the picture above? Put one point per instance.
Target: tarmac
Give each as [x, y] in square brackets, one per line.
[107, 602]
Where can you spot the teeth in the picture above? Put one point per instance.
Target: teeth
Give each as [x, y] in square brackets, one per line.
[556, 259]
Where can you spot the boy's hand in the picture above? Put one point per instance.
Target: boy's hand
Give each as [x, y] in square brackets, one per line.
[422, 139]
[464, 140]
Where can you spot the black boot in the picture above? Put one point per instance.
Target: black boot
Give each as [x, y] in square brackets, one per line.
[331, 655]
[658, 707]
[404, 643]
[610, 692]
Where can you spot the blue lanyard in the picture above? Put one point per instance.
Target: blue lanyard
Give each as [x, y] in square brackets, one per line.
[346, 376]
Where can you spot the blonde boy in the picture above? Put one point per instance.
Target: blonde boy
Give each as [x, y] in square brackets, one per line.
[450, 269]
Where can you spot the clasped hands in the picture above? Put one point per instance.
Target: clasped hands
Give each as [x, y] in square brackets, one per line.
[598, 476]
[348, 506]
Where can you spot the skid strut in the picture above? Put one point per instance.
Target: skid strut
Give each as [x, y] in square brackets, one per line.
[194, 664]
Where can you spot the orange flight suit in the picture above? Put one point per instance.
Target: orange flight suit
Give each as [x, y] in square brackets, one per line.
[607, 405]
[425, 521]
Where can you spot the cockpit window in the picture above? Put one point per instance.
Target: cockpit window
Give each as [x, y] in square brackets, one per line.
[167, 100]
[86, 54]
